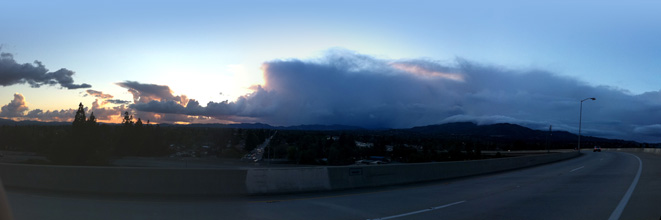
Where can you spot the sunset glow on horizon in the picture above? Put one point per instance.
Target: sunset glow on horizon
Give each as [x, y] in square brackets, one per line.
[370, 64]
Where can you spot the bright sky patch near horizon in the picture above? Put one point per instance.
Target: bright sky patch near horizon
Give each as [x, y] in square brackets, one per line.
[212, 51]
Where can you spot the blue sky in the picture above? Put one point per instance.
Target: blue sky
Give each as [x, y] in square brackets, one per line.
[212, 51]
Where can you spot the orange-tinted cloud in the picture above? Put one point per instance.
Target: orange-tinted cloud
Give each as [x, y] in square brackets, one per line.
[98, 94]
[16, 108]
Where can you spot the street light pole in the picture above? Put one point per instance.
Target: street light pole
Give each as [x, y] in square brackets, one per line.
[547, 139]
[580, 117]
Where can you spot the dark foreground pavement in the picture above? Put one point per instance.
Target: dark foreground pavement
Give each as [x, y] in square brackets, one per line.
[588, 187]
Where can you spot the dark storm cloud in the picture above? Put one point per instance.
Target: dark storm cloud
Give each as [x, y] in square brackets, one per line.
[144, 93]
[157, 103]
[35, 74]
[106, 98]
[353, 89]
[117, 101]
[650, 130]
[256, 104]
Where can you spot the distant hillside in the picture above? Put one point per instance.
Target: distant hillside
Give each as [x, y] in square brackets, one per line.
[502, 131]
[314, 127]
[472, 129]
[22, 123]
[241, 125]
[266, 126]
[323, 127]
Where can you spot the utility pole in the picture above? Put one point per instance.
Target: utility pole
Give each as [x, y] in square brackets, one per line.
[580, 117]
[547, 138]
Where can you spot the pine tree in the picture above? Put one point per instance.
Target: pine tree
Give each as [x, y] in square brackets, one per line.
[83, 145]
[128, 119]
[91, 121]
[80, 119]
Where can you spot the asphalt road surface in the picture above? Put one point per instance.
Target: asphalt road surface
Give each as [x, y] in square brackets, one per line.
[605, 185]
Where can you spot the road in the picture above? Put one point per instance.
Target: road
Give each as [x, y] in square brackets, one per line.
[257, 154]
[592, 186]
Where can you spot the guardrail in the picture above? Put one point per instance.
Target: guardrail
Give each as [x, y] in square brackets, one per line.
[181, 181]
[645, 150]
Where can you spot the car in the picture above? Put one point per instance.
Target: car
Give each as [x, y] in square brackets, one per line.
[597, 149]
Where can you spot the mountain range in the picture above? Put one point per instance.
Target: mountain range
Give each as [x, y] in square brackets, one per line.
[457, 129]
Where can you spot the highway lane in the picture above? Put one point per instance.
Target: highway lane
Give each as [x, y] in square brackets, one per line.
[587, 187]
[645, 203]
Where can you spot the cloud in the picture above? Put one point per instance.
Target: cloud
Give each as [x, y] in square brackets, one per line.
[156, 103]
[63, 115]
[344, 87]
[649, 130]
[106, 98]
[98, 94]
[117, 101]
[255, 104]
[144, 93]
[16, 108]
[35, 74]
[106, 113]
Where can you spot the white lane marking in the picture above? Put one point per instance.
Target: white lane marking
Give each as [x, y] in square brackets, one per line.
[419, 211]
[577, 169]
[623, 203]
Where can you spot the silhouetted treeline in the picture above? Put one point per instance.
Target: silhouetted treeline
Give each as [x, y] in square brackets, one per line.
[86, 142]
[91, 143]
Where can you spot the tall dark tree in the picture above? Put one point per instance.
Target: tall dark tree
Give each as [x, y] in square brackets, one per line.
[91, 121]
[80, 119]
[83, 145]
[128, 119]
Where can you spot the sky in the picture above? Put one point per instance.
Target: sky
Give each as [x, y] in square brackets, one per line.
[374, 64]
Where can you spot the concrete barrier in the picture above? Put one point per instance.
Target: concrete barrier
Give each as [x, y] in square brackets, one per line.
[652, 150]
[645, 150]
[125, 180]
[286, 180]
[367, 176]
[235, 181]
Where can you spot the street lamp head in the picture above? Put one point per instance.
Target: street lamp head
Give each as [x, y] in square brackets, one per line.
[588, 99]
